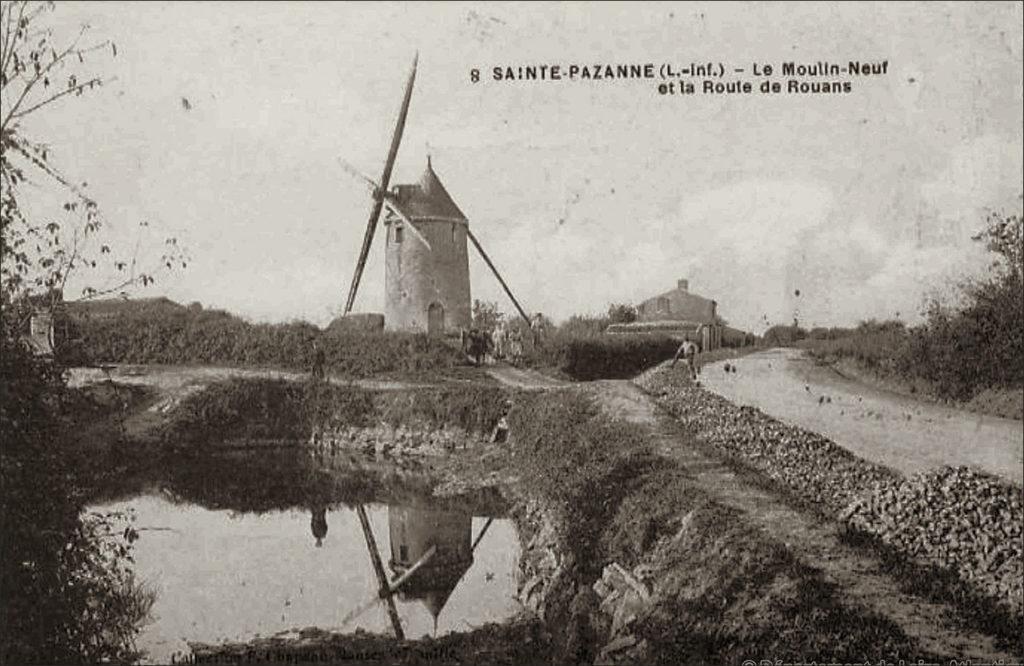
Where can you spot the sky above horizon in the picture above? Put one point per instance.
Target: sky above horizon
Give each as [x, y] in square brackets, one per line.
[583, 193]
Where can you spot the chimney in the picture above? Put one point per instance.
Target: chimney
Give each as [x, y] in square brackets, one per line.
[684, 285]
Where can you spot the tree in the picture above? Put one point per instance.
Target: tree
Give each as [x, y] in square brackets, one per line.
[35, 75]
[622, 313]
[486, 315]
[68, 593]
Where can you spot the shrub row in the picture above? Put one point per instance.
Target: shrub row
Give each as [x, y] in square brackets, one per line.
[585, 357]
[167, 333]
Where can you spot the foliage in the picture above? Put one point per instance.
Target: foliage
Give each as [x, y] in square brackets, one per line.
[68, 592]
[781, 335]
[37, 73]
[254, 409]
[577, 459]
[622, 313]
[959, 351]
[486, 315]
[161, 331]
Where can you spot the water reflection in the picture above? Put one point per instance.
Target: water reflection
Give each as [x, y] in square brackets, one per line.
[441, 541]
[318, 524]
[231, 559]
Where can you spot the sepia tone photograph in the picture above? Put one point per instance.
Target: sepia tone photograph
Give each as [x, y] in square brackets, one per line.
[511, 333]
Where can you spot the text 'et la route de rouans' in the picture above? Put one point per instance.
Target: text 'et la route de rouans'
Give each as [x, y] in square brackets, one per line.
[707, 78]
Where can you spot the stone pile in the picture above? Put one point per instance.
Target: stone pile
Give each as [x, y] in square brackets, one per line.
[957, 518]
[624, 597]
[965, 521]
[813, 466]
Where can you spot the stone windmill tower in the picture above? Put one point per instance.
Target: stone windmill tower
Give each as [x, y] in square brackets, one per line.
[427, 258]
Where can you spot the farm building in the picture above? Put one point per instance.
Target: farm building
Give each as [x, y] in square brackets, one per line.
[679, 313]
[679, 304]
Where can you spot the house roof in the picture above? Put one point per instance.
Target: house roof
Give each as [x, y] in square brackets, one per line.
[676, 293]
[428, 199]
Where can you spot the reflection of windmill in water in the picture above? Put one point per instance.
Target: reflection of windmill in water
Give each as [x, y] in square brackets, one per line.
[427, 260]
[431, 550]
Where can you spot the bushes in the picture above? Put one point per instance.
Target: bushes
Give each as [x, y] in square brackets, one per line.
[161, 331]
[68, 592]
[959, 350]
[586, 357]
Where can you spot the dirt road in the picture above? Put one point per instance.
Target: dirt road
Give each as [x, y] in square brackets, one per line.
[902, 433]
[860, 576]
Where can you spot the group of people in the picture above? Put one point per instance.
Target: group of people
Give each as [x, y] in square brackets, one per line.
[508, 341]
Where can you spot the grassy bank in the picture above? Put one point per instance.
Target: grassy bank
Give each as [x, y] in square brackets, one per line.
[725, 591]
[277, 409]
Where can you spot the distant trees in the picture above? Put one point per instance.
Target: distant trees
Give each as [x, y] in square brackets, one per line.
[961, 348]
[979, 343]
[486, 315]
[622, 313]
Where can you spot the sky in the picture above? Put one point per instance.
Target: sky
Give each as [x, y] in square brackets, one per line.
[828, 208]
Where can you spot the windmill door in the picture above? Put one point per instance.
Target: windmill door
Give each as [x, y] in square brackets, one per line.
[435, 319]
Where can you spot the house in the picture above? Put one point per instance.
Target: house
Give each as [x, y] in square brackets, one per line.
[678, 313]
[679, 304]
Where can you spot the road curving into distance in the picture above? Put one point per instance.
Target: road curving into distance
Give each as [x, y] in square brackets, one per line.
[902, 433]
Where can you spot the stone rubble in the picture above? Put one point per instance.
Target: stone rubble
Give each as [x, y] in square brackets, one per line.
[966, 521]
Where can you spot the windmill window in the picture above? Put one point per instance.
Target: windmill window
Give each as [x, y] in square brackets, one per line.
[403, 553]
[453, 232]
[398, 234]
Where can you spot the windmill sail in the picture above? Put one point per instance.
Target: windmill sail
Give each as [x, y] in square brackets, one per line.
[378, 197]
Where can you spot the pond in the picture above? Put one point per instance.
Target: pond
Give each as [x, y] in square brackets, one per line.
[233, 574]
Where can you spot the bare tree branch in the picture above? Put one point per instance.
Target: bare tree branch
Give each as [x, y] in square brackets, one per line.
[40, 76]
[53, 98]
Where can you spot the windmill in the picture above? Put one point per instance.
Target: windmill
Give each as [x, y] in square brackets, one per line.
[427, 239]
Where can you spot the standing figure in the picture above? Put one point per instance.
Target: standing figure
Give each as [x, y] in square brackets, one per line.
[687, 350]
[319, 359]
[479, 344]
[500, 339]
[537, 328]
[318, 524]
[515, 345]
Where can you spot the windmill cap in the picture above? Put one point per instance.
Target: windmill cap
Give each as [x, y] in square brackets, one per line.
[429, 199]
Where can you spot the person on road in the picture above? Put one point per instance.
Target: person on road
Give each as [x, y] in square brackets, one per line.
[687, 350]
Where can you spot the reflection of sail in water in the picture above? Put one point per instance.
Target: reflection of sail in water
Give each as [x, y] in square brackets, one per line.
[414, 531]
